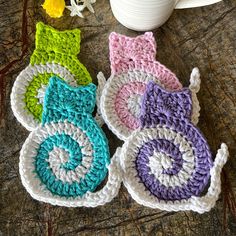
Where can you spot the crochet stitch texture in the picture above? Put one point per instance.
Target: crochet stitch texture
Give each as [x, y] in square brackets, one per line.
[65, 159]
[55, 54]
[167, 163]
[133, 65]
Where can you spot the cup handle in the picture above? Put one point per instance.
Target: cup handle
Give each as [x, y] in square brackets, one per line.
[194, 3]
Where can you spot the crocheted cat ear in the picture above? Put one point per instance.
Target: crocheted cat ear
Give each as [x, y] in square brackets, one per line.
[50, 39]
[167, 164]
[157, 102]
[124, 51]
[78, 100]
[55, 54]
[65, 160]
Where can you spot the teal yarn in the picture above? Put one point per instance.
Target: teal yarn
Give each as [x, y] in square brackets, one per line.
[66, 106]
[62, 100]
[44, 171]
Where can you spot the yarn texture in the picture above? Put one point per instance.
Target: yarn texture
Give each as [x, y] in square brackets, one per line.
[55, 54]
[133, 65]
[167, 163]
[65, 159]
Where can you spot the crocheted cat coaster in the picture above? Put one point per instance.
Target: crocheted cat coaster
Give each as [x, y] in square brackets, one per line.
[55, 54]
[65, 159]
[133, 65]
[167, 163]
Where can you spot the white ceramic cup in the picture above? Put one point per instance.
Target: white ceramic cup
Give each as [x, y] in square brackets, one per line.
[142, 15]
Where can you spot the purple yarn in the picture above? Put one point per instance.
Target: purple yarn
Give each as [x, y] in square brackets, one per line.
[172, 110]
[163, 146]
[158, 102]
[195, 185]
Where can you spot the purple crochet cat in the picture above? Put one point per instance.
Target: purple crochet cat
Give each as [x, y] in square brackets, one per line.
[173, 110]
[167, 163]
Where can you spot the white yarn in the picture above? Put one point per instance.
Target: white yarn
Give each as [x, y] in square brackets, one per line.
[194, 86]
[101, 83]
[139, 138]
[160, 161]
[134, 105]
[115, 82]
[138, 190]
[20, 87]
[41, 93]
[33, 184]
[58, 157]
[108, 96]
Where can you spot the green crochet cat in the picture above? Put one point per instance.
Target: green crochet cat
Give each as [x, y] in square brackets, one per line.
[55, 54]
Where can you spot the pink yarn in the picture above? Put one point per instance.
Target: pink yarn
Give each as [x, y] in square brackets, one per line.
[139, 53]
[133, 65]
[121, 103]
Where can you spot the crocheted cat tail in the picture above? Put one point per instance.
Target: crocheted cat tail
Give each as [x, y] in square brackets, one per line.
[55, 54]
[133, 65]
[194, 87]
[65, 159]
[167, 163]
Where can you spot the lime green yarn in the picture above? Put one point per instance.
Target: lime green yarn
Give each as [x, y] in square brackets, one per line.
[55, 54]
[60, 47]
[31, 101]
[50, 39]
[70, 62]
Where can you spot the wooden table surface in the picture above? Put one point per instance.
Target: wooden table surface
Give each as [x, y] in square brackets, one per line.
[203, 37]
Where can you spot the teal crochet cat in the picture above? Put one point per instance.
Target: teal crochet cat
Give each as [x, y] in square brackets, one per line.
[66, 159]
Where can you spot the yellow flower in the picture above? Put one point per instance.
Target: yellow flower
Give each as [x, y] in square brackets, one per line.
[54, 8]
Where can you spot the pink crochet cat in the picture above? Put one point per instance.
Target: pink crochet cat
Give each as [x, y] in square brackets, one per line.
[133, 65]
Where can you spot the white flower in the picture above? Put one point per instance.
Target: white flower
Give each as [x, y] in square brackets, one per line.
[75, 9]
[88, 4]
[77, 6]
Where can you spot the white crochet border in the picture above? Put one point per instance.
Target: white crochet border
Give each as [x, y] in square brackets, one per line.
[113, 84]
[195, 83]
[38, 191]
[143, 197]
[116, 81]
[20, 86]
[26, 76]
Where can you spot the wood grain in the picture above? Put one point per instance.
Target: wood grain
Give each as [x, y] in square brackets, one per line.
[203, 37]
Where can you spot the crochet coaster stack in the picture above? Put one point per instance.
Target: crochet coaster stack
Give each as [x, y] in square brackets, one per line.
[66, 156]
[165, 161]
